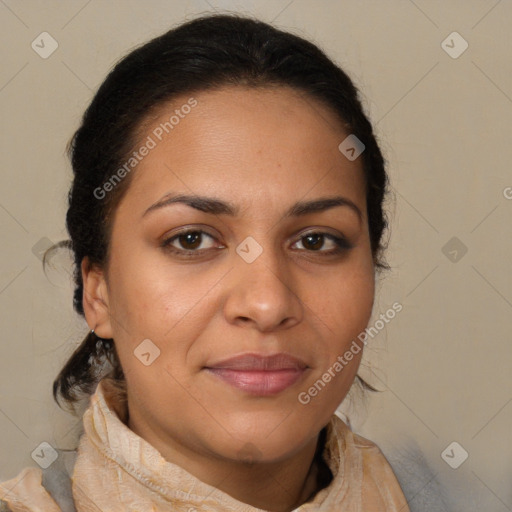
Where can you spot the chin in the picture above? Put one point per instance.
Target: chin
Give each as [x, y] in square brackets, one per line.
[266, 438]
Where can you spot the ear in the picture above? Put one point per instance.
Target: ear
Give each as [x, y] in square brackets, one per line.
[95, 299]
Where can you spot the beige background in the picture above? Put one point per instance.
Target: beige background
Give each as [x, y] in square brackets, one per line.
[445, 125]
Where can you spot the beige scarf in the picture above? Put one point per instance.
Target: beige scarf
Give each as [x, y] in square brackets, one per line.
[118, 471]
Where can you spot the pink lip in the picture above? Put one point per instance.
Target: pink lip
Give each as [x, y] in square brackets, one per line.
[260, 375]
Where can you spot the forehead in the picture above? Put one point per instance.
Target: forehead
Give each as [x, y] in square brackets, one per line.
[244, 144]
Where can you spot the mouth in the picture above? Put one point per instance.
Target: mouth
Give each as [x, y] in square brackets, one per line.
[260, 375]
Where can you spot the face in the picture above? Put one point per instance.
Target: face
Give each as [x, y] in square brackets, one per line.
[252, 269]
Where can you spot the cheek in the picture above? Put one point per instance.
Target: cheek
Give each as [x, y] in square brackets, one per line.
[144, 290]
[347, 302]
[152, 301]
[347, 306]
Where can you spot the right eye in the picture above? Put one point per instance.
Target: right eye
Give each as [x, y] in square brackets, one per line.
[190, 240]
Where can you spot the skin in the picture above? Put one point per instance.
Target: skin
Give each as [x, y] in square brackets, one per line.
[262, 150]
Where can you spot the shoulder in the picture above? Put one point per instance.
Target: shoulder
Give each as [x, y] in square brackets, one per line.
[26, 492]
[408, 466]
[32, 487]
[369, 481]
[382, 487]
[417, 478]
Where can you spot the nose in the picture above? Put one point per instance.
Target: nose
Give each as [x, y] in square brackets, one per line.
[262, 293]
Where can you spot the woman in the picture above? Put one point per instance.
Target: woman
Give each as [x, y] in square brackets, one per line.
[226, 219]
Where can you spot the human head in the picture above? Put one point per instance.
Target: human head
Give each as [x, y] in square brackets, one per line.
[201, 56]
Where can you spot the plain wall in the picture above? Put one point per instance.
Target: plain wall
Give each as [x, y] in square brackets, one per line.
[445, 126]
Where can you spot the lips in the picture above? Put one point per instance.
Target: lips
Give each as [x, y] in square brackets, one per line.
[258, 374]
[255, 362]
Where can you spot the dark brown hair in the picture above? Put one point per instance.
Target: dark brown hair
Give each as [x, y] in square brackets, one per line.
[202, 54]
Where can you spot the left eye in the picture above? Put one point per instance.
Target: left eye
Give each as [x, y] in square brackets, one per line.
[316, 240]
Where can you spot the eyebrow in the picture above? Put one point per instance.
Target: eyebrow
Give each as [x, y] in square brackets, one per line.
[218, 207]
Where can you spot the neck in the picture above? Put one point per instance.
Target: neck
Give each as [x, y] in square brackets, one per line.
[274, 486]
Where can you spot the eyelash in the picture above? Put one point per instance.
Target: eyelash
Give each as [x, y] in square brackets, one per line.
[342, 244]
